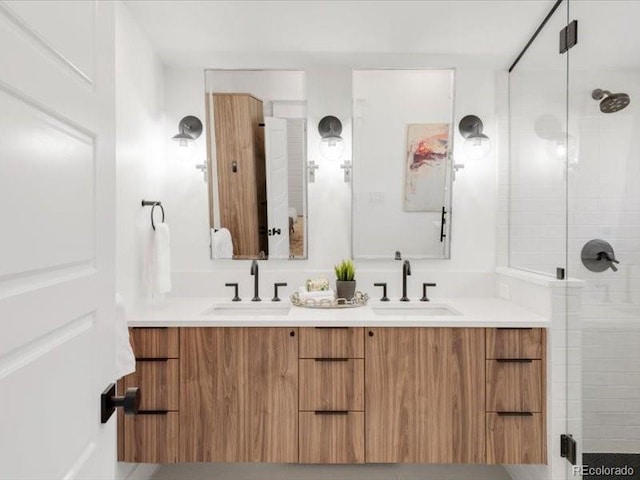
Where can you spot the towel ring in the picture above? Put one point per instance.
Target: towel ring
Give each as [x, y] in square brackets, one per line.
[153, 205]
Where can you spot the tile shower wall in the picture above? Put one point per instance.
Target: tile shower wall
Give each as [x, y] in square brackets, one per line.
[534, 185]
[604, 202]
[296, 146]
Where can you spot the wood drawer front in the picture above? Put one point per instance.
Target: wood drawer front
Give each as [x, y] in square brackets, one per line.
[514, 386]
[155, 342]
[515, 343]
[332, 385]
[158, 382]
[331, 342]
[332, 438]
[151, 438]
[515, 439]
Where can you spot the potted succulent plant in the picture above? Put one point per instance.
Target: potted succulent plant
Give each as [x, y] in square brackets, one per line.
[345, 279]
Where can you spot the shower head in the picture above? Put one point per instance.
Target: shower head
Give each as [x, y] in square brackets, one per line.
[611, 102]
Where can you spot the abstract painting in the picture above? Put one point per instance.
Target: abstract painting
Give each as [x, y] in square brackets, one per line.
[425, 172]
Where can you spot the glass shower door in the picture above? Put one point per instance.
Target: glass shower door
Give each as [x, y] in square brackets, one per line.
[603, 229]
[539, 157]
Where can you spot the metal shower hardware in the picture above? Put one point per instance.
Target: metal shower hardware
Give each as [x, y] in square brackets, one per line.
[611, 102]
[598, 255]
[153, 204]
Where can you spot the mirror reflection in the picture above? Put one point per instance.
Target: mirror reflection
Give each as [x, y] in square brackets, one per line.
[256, 125]
[403, 130]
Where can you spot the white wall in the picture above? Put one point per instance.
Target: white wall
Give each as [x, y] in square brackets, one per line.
[185, 193]
[140, 133]
[329, 91]
[140, 172]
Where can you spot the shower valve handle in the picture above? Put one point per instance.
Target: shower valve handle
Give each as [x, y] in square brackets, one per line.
[608, 258]
[598, 256]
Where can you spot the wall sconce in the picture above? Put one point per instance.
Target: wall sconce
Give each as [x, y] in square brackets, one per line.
[190, 128]
[477, 145]
[331, 144]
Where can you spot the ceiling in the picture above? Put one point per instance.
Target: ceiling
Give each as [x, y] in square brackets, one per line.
[234, 34]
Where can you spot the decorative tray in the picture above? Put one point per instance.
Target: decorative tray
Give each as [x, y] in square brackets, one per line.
[359, 300]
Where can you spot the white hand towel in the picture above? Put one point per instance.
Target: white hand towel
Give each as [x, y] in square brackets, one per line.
[125, 360]
[222, 244]
[161, 279]
[322, 294]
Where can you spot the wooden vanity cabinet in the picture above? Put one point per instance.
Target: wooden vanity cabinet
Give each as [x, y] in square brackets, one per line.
[337, 395]
[424, 395]
[331, 366]
[151, 436]
[516, 396]
[239, 395]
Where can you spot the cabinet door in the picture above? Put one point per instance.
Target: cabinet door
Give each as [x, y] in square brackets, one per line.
[238, 395]
[272, 394]
[424, 395]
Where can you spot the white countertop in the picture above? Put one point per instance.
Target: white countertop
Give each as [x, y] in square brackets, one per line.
[473, 312]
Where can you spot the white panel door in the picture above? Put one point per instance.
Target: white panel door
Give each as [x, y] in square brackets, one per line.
[57, 202]
[277, 186]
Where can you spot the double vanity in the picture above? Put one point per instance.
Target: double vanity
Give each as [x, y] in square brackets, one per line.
[460, 380]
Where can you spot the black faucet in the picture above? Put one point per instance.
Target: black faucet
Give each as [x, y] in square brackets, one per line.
[255, 272]
[406, 270]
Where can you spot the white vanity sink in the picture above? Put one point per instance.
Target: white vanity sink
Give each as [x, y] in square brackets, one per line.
[253, 309]
[415, 310]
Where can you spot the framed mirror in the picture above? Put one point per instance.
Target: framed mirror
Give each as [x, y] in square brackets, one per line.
[402, 163]
[256, 128]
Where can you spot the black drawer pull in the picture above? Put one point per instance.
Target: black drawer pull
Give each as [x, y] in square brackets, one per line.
[514, 328]
[514, 360]
[329, 359]
[515, 414]
[331, 412]
[153, 412]
[145, 359]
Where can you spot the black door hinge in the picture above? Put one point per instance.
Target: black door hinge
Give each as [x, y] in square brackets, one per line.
[569, 36]
[568, 448]
[560, 274]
